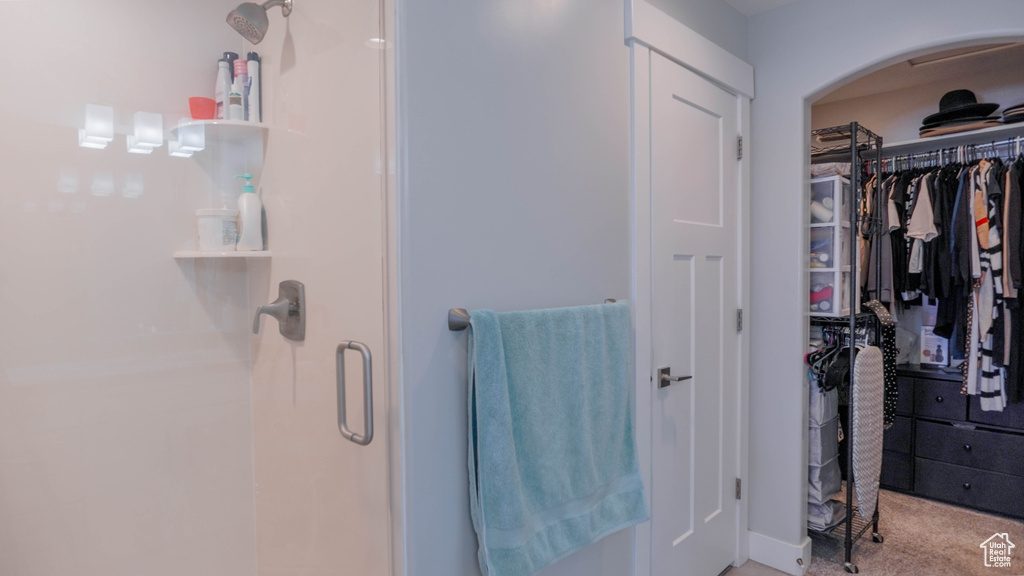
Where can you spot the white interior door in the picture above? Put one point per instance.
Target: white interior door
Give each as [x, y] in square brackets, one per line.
[695, 219]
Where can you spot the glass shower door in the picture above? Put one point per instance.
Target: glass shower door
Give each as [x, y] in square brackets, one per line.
[143, 428]
[321, 500]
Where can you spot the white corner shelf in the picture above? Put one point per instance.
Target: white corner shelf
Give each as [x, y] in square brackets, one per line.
[230, 131]
[187, 254]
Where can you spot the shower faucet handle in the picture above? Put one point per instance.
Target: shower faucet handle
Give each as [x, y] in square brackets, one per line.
[289, 309]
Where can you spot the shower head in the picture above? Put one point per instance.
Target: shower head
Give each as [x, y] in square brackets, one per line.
[250, 19]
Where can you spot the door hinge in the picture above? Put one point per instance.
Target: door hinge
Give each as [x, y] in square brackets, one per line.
[739, 488]
[739, 147]
[739, 320]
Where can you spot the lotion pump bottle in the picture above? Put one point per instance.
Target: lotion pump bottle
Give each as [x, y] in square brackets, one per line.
[250, 217]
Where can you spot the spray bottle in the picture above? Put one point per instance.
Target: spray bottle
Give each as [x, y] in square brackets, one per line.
[250, 217]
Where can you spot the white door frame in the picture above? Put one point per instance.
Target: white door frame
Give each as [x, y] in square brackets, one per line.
[648, 29]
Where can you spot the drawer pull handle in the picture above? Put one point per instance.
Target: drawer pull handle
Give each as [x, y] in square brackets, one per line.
[967, 447]
[967, 485]
[939, 398]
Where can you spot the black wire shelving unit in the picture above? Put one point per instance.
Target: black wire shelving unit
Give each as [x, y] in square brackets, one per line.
[854, 144]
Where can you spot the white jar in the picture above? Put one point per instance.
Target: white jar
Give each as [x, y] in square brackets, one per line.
[218, 229]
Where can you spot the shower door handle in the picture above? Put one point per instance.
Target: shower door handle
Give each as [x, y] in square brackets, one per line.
[365, 438]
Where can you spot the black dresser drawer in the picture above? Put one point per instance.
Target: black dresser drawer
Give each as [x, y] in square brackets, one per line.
[905, 400]
[995, 451]
[897, 470]
[939, 399]
[1012, 415]
[993, 491]
[897, 437]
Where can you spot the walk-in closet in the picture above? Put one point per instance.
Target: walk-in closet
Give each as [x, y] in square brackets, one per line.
[915, 359]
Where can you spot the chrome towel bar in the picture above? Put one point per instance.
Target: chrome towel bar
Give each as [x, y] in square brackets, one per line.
[458, 318]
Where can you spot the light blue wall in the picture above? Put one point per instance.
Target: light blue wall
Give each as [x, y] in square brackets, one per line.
[713, 19]
[514, 135]
[513, 132]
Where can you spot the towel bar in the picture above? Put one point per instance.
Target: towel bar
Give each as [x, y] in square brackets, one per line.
[458, 318]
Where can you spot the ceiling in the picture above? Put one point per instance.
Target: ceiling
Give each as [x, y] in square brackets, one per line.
[751, 7]
[935, 67]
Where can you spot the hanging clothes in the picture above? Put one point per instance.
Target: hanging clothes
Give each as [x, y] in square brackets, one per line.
[954, 235]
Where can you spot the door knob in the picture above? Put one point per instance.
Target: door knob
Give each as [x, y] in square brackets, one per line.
[289, 309]
[665, 377]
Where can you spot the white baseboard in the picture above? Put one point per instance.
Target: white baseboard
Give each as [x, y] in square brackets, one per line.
[780, 555]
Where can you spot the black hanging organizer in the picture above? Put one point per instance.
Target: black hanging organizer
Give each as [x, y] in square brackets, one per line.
[853, 143]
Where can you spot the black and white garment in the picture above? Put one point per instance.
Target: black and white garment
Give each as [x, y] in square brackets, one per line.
[986, 378]
[889, 355]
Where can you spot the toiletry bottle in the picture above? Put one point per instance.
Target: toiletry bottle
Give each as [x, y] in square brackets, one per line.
[235, 108]
[230, 58]
[255, 114]
[242, 79]
[250, 217]
[221, 89]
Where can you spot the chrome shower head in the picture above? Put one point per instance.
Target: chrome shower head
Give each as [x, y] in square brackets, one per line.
[250, 19]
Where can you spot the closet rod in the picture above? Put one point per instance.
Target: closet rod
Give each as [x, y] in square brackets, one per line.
[963, 153]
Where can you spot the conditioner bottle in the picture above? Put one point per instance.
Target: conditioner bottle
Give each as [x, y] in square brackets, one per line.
[250, 217]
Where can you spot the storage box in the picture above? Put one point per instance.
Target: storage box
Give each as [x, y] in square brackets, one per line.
[829, 252]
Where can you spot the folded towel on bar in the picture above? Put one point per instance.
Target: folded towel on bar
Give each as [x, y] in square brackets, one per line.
[552, 451]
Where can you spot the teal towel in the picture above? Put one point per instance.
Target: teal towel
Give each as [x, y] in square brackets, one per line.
[552, 454]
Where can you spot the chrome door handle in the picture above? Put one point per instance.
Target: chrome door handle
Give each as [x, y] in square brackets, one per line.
[665, 377]
[365, 438]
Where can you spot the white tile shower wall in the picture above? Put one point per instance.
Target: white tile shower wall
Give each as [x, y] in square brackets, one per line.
[125, 413]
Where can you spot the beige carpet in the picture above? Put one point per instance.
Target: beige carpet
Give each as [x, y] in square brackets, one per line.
[922, 537]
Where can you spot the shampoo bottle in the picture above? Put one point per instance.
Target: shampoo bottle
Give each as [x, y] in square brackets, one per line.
[221, 90]
[242, 81]
[250, 217]
[224, 83]
[254, 88]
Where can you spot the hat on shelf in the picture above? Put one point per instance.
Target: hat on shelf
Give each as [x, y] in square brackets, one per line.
[1013, 114]
[958, 126]
[959, 105]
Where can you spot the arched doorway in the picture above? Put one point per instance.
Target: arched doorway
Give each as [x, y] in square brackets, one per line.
[800, 53]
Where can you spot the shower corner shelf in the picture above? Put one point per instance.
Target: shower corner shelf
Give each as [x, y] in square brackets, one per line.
[231, 131]
[189, 254]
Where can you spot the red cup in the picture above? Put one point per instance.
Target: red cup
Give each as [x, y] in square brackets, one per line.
[202, 108]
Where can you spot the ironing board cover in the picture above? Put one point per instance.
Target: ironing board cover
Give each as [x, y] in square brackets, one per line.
[868, 398]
